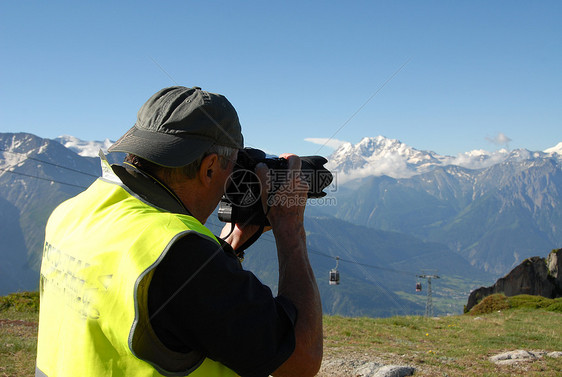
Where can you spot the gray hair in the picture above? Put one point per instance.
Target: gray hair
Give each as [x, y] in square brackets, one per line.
[190, 170]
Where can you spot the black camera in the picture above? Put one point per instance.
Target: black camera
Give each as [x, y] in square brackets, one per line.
[242, 203]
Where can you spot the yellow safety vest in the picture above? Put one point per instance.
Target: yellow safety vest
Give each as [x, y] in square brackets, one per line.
[101, 249]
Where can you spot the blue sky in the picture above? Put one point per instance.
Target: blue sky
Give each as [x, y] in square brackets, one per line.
[446, 76]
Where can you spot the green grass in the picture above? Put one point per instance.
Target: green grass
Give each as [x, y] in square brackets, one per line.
[19, 313]
[457, 345]
[454, 345]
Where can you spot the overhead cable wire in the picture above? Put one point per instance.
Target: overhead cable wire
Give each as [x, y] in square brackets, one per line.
[361, 266]
[42, 178]
[50, 163]
[364, 104]
[369, 276]
[270, 239]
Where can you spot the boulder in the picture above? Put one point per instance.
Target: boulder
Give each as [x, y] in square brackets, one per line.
[394, 371]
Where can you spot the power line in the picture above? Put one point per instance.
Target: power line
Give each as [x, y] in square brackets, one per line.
[269, 238]
[368, 276]
[364, 104]
[49, 163]
[42, 178]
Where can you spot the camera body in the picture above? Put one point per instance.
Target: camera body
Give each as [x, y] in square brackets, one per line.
[242, 203]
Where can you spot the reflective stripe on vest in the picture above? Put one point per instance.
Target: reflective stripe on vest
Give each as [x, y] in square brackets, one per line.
[101, 248]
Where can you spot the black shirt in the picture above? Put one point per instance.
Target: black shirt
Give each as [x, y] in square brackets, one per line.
[201, 298]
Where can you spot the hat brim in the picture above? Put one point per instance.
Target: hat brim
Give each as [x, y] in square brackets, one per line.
[162, 149]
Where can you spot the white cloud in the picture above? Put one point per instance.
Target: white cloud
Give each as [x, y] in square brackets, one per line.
[392, 165]
[499, 139]
[395, 165]
[325, 142]
[477, 159]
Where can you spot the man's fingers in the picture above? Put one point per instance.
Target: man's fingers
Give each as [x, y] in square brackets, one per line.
[262, 171]
[293, 161]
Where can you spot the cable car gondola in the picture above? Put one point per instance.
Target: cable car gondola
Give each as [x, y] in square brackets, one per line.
[418, 287]
[335, 274]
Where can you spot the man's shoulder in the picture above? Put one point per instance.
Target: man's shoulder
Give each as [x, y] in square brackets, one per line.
[201, 243]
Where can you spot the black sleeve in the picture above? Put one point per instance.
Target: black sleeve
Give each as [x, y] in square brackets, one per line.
[219, 309]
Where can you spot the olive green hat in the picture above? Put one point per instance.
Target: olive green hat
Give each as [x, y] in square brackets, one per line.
[178, 124]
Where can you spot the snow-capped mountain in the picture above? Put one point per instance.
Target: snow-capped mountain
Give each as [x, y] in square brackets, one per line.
[84, 148]
[376, 156]
[556, 149]
[381, 156]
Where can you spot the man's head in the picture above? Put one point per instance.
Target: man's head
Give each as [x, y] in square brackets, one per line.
[178, 125]
[189, 139]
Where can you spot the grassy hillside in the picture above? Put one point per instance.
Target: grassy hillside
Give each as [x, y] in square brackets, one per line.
[444, 346]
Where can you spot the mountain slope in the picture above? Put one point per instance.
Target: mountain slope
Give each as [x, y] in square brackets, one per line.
[15, 273]
[36, 175]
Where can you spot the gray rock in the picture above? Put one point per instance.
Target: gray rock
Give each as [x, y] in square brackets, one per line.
[394, 371]
[513, 357]
[555, 354]
[367, 370]
[371, 369]
[554, 264]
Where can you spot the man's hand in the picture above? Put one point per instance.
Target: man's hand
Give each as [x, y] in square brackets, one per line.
[286, 200]
[296, 279]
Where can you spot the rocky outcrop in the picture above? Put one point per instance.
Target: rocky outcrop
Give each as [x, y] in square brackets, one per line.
[554, 265]
[519, 356]
[534, 276]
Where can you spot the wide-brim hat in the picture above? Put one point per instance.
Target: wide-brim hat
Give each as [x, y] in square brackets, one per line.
[177, 125]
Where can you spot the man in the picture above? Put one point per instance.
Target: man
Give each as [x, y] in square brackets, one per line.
[134, 284]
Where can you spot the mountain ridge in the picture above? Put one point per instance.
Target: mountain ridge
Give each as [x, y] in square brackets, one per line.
[376, 156]
[82, 147]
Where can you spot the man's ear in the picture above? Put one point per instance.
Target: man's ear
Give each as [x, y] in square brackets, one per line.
[208, 168]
